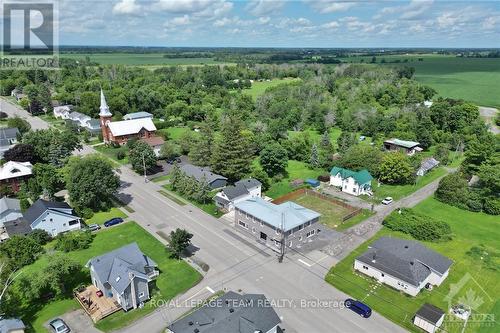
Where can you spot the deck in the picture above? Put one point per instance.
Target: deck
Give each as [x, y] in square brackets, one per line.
[96, 307]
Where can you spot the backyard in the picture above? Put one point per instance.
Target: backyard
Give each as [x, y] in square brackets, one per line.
[176, 277]
[480, 273]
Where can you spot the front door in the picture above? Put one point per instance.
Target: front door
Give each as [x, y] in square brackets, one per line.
[263, 236]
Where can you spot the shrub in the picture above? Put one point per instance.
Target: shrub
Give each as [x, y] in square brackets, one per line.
[24, 203]
[120, 155]
[40, 236]
[492, 206]
[474, 202]
[453, 190]
[72, 241]
[324, 178]
[87, 213]
[419, 226]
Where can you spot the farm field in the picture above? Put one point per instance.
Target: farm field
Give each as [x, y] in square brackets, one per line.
[137, 59]
[176, 276]
[481, 276]
[473, 79]
[258, 88]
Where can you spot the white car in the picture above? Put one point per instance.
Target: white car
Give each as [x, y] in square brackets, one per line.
[59, 326]
[387, 201]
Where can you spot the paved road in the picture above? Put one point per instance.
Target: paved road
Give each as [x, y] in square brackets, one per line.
[489, 115]
[12, 110]
[240, 265]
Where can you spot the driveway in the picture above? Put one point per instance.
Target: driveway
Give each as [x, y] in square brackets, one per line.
[78, 321]
[489, 114]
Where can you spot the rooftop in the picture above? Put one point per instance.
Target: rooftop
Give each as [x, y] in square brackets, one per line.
[361, 177]
[9, 203]
[198, 173]
[40, 206]
[13, 169]
[230, 313]
[289, 213]
[430, 313]
[402, 143]
[407, 260]
[134, 126]
[137, 115]
[240, 188]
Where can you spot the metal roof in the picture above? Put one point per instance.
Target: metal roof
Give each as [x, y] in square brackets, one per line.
[289, 213]
[361, 177]
[137, 115]
[402, 143]
[134, 126]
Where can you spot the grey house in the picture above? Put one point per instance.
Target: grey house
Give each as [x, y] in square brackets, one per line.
[8, 139]
[231, 313]
[198, 173]
[53, 217]
[124, 275]
[241, 190]
[403, 264]
[267, 221]
[10, 210]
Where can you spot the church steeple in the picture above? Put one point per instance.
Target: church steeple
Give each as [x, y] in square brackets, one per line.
[104, 107]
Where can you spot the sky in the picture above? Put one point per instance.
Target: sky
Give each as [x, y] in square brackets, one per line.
[264, 23]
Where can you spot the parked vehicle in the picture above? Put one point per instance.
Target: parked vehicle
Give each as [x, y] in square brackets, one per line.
[360, 308]
[94, 227]
[113, 221]
[387, 201]
[59, 326]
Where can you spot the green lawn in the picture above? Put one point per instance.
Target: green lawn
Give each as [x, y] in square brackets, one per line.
[111, 153]
[160, 178]
[258, 88]
[295, 170]
[365, 213]
[208, 207]
[399, 191]
[469, 229]
[101, 217]
[333, 132]
[473, 79]
[331, 214]
[176, 276]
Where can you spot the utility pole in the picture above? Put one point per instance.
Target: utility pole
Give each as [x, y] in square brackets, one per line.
[283, 239]
[144, 166]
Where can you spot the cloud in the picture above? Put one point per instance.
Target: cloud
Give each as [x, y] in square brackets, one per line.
[127, 7]
[414, 10]
[331, 6]
[200, 8]
[177, 21]
[264, 7]
[331, 25]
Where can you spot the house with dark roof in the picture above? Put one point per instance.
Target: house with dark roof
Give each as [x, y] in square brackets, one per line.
[124, 275]
[270, 223]
[403, 264]
[8, 139]
[352, 182]
[53, 217]
[241, 190]
[199, 173]
[427, 165]
[231, 313]
[10, 210]
[11, 325]
[407, 147]
[429, 318]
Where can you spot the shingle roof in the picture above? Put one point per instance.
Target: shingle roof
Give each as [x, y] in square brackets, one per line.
[9, 203]
[134, 126]
[40, 206]
[17, 227]
[293, 214]
[13, 169]
[115, 267]
[233, 192]
[78, 116]
[407, 260]
[428, 164]
[361, 177]
[249, 183]
[231, 313]
[9, 133]
[198, 173]
[94, 123]
[12, 324]
[137, 115]
[430, 313]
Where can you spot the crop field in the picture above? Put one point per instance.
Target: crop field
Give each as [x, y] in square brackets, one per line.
[473, 79]
[137, 59]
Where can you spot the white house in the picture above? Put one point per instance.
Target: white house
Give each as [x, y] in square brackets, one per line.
[352, 182]
[53, 217]
[79, 119]
[405, 265]
[242, 190]
[429, 318]
[62, 111]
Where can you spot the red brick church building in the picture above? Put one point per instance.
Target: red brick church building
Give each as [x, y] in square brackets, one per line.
[119, 132]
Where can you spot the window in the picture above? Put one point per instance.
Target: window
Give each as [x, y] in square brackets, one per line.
[310, 233]
[301, 227]
[300, 238]
[383, 275]
[277, 231]
[243, 224]
[73, 222]
[365, 267]
[290, 244]
[277, 243]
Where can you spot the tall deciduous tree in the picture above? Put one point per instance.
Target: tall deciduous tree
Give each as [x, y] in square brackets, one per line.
[51, 145]
[274, 159]
[231, 155]
[91, 182]
[142, 155]
[21, 153]
[180, 239]
[395, 169]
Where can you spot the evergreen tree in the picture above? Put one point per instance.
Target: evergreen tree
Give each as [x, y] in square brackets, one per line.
[201, 151]
[345, 141]
[314, 160]
[231, 155]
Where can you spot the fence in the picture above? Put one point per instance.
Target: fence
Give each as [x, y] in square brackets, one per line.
[305, 191]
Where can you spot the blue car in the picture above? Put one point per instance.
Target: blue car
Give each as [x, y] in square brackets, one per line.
[113, 221]
[360, 308]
